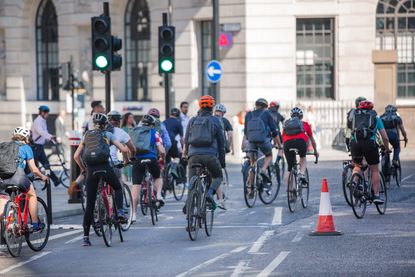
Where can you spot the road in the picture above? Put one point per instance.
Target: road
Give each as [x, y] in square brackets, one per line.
[262, 241]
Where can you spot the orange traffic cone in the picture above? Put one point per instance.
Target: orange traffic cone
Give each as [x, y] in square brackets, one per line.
[325, 225]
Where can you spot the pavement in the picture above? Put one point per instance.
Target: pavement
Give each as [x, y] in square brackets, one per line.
[259, 241]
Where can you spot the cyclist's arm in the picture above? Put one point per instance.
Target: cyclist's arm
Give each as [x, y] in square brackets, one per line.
[277, 141]
[77, 157]
[131, 147]
[403, 131]
[36, 170]
[120, 146]
[309, 133]
[385, 139]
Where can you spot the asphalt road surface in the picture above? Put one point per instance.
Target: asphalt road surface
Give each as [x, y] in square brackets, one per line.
[261, 241]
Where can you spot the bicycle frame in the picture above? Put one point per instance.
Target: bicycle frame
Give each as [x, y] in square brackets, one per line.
[23, 223]
[106, 191]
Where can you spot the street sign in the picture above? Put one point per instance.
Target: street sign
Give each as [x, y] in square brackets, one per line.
[213, 71]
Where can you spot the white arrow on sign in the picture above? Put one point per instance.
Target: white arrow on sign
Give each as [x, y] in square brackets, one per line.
[212, 71]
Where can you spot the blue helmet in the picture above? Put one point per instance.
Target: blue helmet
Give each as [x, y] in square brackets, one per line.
[44, 108]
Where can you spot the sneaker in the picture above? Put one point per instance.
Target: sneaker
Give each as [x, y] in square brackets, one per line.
[302, 178]
[395, 163]
[265, 177]
[377, 200]
[221, 205]
[122, 218]
[134, 218]
[184, 209]
[86, 242]
[211, 202]
[37, 228]
[160, 203]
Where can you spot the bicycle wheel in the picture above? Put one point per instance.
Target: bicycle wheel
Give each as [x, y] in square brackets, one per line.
[358, 190]
[114, 219]
[305, 191]
[383, 195]
[178, 189]
[143, 201]
[291, 191]
[346, 177]
[152, 204]
[37, 241]
[398, 174]
[208, 215]
[96, 223]
[83, 194]
[64, 177]
[250, 191]
[226, 190]
[192, 214]
[105, 220]
[128, 207]
[268, 192]
[12, 229]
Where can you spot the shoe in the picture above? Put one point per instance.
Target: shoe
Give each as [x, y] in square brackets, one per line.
[122, 218]
[184, 209]
[265, 177]
[211, 202]
[377, 200]
[160, 203]
[221, 205]
[302, 178]
[86, 242]
[134, 218]
[37, 228]
[395, 163]
[187, 228]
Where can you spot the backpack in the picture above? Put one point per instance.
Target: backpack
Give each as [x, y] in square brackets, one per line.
[256, 131]
[389, 120]
[141, 136]
[97, 148]
[293, 126]
[201, 132]
[349, 120]
[364, 124]
[9, 153]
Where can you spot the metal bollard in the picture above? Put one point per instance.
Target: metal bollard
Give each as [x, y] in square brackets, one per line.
[74, 191]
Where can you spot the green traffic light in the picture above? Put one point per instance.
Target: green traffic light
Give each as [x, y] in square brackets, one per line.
[166, 66]
[101, 62]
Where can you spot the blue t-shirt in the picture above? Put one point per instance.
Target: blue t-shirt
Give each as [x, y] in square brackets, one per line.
[25, 154]
[174, 127]
[153, 153]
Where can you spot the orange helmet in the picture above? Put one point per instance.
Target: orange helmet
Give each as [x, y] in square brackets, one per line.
[366, 105]
[206, 101]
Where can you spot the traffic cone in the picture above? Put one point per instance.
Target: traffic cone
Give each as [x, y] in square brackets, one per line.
[325, 225]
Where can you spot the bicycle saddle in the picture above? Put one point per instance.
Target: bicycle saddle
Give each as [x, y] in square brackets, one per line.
[293, 150]
[11, 188]
[99, 172]
[146, 161]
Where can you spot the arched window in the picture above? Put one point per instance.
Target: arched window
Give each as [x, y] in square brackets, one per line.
[47, 64]
[137, 50]
[395, 29]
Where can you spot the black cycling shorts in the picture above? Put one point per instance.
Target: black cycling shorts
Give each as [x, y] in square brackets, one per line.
[298, 144]
[367, 149]
[139, 170]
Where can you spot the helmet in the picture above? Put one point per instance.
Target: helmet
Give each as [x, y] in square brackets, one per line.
[274, 104]
[261, 102]
[44, 108]
[358, 100]
[114, 115]
[366, 105]
[391, 109]
[206, 101]
[296, 112]
[100, 118]
[21, 131]
[154, 112]
[175, 112]
[220, 108]
[149, 120]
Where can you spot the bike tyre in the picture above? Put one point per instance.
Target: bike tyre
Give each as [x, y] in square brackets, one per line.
[13, 240]
[45, 221]
[359, 203]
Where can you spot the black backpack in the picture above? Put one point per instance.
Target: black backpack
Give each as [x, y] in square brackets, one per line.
[201, 132]
[256, 130]
[9, 159]
[389, 120]
[96, 148]
[293, 126]
[364, 124]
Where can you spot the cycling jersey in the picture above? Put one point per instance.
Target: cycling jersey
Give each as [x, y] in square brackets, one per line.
[155, 141]
[308, 133]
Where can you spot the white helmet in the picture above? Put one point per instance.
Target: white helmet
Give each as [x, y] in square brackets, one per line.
[296, 112]
[21, 131]
[220, 108]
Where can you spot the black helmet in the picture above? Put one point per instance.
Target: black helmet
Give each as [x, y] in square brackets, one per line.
[114, 115]
[391, 109]
[100, 118]
[148, 120]
[175, 112]
[261, 102]
[358, 100]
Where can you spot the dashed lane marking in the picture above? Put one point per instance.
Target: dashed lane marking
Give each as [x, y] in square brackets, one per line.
[34, 258]
[297, 237]
[66, 227]
[407, 177]
[240, 268]
[277, 219]
[260, 241]
[183, 227]
[274, 264]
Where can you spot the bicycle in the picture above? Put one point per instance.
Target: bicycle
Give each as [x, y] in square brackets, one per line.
[148, 198]
[297, 188]
[346, 174]
[361, 193]
[279, 166]
[17, 222]
[391, 169]
[255, 185]
[225, 186]
[106, 211]
[171, 178]
[197, 211]
[57, 161]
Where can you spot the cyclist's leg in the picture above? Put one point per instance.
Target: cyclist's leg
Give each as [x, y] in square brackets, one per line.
[266, 148]
[371, 154]
[302, 152]
[213, 165]
[4, 198]
[43, 159]
[138, 172]
[357, 155]
[289, 156]
[31, 193]
[114, 182]
[394, 140]
[154, 170]
[91, 195]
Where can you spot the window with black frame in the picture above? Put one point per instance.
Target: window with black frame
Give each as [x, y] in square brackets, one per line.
[395, 29]
[47, 58]
[137, 50]
[315, 58]
[205, 53]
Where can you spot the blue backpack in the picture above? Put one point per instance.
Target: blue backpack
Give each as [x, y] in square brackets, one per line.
[256, 130]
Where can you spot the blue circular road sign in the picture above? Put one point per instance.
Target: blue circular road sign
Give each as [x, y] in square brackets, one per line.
[213, 71]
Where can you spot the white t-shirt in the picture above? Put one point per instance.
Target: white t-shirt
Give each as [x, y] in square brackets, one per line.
[121, 136]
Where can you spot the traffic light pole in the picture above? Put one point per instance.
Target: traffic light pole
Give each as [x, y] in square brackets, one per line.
[215, 46]
[71, 82]
[166, 80]
[108, 71]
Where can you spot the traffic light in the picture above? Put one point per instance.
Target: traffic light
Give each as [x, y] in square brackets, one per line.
[101, 43]
[166, 49]
[116, 59]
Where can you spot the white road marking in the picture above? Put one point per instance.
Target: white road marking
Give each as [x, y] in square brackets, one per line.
[277, 219]
[58, 236]
[183, 227]
[65, 226]
[211, 261]
[240, 268]
[34, 258]
[274, 264]
[251, 213]
[74, 239]
[407, 177]
[298, 237]
[260, 241]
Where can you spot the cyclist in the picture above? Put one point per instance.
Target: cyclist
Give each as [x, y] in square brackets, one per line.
[349, 120]
[204, 144]
[393, 124]
[96, 107]
[95, 151]
[25, 164]
[40, 136]
[274, 107]
[161, 129]
[148, 144]
[184, 118]
[295, 135]
[365, 125]
[259, 129]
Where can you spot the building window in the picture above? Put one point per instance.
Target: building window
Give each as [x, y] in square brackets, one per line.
[395, 29]
[205, 53]
[315, 58]
[137, 50]
[47, 60]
